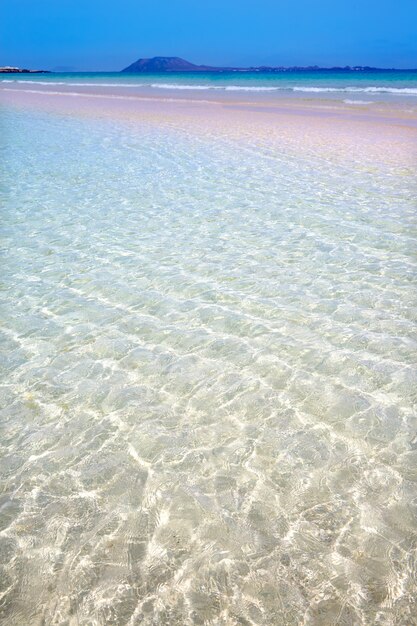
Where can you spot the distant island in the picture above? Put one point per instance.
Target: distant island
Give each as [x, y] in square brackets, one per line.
[158, 65]
[17, 70]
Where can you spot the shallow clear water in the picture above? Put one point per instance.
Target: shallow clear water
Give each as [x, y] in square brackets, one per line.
[208, 387]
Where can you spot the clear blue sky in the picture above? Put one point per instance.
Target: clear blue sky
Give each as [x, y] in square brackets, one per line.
[108, 35]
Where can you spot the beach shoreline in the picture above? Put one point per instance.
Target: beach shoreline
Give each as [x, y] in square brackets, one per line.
[338, 131]
[383, 111]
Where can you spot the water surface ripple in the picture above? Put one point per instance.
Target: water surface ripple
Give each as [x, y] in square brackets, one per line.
[208, 388]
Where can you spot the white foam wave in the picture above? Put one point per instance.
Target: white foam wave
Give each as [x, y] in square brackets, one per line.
[186, 87]
[392, 90]
[98, 84]
[409, 91]
[357, 101]
[213, 87]
[178, 86]
[80, 94]
[239, 88]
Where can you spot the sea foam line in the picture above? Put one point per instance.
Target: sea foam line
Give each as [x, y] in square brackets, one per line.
[50, 82]
[396, 91]
[79, 94]
[392, 90]
[358, 101]
[178, 86]
[409, 91]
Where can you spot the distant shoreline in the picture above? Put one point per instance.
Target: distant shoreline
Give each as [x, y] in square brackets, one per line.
[172, 65]
[18, 70]
[289, 70]
[165, 65]
[267, 70]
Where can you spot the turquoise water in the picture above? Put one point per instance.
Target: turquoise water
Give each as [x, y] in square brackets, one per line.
[208, 376]
[358, 87]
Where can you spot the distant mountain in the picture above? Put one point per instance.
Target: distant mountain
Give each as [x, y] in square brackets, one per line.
[166, 64]
[158, 65]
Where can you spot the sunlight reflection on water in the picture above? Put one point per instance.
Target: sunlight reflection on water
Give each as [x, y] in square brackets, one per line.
[208, 380]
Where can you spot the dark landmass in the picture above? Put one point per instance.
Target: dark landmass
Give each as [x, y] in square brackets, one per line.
[18, 70]
[176, 64]
[165, 64]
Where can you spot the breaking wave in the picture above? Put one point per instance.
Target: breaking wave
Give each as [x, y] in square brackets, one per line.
[409, 91]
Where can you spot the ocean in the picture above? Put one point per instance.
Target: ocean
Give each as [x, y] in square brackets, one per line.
[208, 407]
[361, 87]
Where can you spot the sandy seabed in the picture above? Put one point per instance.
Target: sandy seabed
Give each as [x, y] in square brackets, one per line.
[208, 372]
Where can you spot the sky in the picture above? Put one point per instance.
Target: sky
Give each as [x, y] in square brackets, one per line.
[88, 35]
